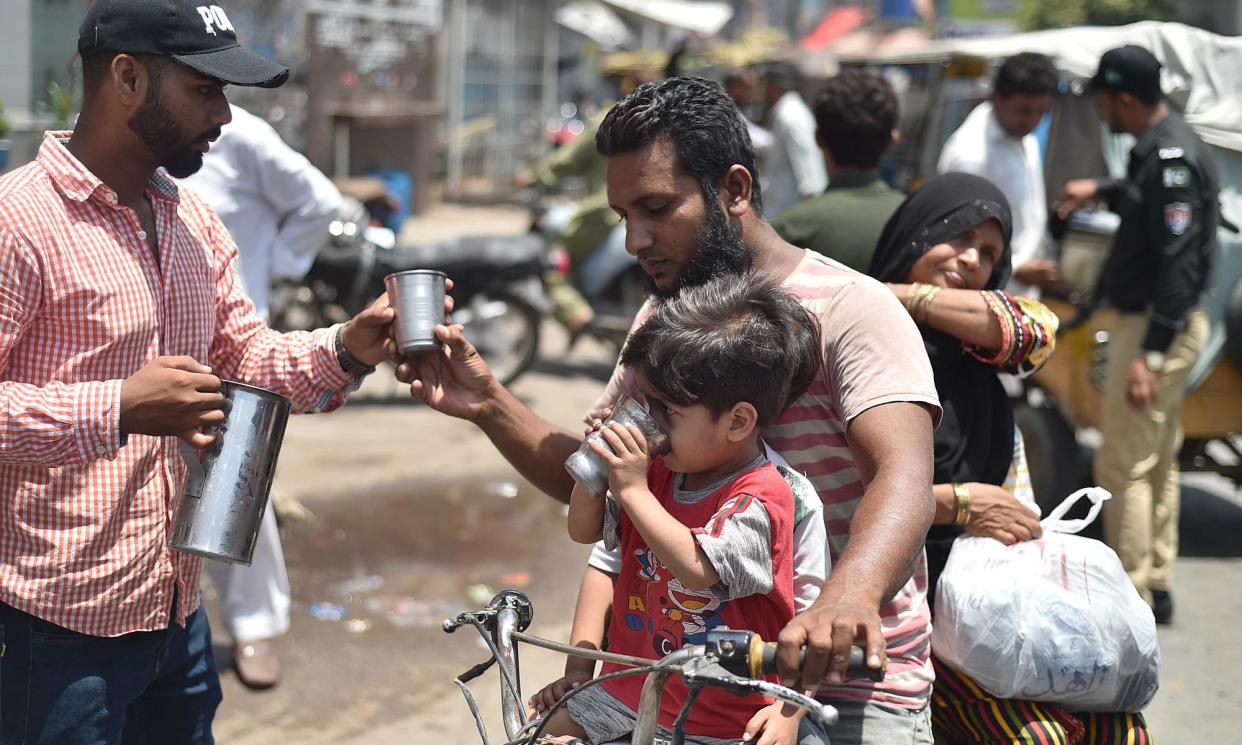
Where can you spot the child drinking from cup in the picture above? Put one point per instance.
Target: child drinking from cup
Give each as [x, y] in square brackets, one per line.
[705, 531]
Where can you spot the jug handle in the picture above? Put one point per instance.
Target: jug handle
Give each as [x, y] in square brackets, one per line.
[193, 458]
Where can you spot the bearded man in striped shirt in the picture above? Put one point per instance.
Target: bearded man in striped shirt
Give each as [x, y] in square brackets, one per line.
[681, 174]
[120, 311]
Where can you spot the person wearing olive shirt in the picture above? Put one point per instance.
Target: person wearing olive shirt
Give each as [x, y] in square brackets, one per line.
[856, 117]
[1154, 275]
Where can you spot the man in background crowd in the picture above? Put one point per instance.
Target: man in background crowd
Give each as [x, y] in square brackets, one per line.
[857, 118]
[996, 142]
[739, 85]
[793, 168]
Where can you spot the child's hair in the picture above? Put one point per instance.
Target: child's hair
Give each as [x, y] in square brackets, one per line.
[733, 338]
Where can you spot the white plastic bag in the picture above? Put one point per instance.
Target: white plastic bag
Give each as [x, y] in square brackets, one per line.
[1054, 619]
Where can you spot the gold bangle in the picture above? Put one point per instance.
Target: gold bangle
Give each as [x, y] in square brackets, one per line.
[929, 294]
[919, 300]
[961, 497]
[915, 296]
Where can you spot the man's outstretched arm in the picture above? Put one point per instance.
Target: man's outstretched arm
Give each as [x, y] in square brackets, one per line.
[459, 383]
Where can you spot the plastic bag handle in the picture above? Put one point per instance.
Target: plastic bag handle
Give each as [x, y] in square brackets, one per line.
[1056, 524]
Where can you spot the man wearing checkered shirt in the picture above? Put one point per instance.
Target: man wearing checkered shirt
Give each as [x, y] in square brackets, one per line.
[120, 312]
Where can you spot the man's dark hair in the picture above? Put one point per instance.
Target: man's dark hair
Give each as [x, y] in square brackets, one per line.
[702, 122]
[1028, 72]
[731, 339]
[856, 114]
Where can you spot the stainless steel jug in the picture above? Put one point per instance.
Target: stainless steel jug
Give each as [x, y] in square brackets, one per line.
[230, 479]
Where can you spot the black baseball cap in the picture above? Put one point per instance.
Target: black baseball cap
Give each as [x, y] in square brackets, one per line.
[196, 33]
[1128, 69]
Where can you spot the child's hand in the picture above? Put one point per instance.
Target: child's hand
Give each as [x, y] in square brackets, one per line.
[776, 724]
[552, 692]
[595, 424]
[627, 461]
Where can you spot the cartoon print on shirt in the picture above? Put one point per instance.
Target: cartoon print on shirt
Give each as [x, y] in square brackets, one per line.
[673, 614]
[696, 611]
[648, 561]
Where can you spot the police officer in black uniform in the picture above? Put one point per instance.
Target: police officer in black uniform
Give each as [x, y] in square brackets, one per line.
[1154, 276]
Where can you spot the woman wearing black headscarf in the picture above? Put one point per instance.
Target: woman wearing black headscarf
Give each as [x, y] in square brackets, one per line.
[945, 254]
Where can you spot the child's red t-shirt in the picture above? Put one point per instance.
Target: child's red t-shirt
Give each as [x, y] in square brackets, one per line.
[653, 614]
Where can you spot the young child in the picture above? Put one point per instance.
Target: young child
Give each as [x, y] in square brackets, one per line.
[706, 532]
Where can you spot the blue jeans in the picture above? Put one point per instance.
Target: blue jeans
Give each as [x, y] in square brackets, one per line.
[60, 687]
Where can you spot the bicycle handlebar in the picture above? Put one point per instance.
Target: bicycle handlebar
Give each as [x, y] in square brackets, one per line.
[745, 653]
[733, 660]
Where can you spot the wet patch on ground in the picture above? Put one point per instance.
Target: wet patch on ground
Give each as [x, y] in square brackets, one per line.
[373, 579]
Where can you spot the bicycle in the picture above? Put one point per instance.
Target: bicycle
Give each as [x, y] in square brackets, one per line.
[733, 660]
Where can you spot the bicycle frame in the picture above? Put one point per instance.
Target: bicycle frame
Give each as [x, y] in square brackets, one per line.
[729, 660]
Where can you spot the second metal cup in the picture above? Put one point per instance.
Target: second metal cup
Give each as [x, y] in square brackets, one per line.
[418, 297]
[586, 467]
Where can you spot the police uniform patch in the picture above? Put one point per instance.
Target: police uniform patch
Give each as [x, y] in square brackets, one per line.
[1175, 176]
[1177, 217]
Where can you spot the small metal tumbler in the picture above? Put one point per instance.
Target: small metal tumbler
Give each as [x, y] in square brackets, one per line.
[230, 479]
[418, 297]
[586, 467]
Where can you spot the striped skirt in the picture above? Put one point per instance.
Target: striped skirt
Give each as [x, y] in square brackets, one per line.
[965, 714]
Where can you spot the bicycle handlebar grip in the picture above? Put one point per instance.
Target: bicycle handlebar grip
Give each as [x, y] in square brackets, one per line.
[855, 668]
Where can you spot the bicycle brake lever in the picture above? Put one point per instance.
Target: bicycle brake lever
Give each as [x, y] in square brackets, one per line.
[825, 713]
[705, 671]
[700, 672]
[485, 617]
[505, 600]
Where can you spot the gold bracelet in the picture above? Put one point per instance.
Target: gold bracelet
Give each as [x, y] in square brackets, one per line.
[919, 300]
[911, 294]
[929, 294]
[914, 296]
[961, 496]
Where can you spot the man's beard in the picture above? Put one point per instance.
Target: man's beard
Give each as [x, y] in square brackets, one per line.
[165, 138]
[719, 251]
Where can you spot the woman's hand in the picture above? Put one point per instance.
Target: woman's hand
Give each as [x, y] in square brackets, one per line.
[626, 457]
[995, 513]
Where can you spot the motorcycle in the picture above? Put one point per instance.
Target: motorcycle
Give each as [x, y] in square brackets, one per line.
[608, 277]
[498, 289]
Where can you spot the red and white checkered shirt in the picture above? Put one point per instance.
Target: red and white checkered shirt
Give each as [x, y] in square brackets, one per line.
[85, 514]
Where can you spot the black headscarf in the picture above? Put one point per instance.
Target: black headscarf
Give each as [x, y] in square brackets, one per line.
[974, 441]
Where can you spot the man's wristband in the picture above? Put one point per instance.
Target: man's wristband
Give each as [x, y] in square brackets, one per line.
[348, 362]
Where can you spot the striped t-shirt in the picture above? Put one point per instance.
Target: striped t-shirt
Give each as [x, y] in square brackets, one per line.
[873, 355]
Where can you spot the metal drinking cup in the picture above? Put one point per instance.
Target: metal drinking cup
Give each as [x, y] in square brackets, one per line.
[418, 297]
[230, 479]
[589, 470]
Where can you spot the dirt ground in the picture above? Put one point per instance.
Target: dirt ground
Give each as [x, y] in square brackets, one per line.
[416, 517]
